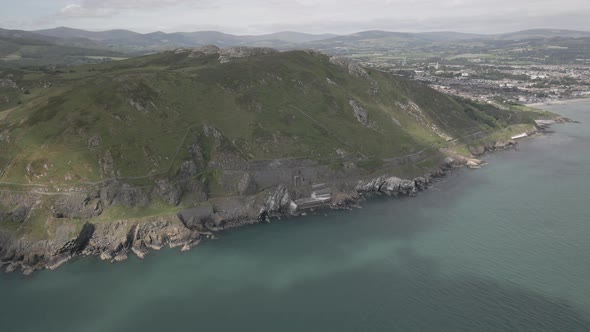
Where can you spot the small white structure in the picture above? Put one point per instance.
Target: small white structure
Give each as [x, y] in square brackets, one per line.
[519, 136]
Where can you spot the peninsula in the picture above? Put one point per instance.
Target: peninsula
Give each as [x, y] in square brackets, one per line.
[167, 149]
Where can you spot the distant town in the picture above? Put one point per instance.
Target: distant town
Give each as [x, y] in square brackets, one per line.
[480, 80]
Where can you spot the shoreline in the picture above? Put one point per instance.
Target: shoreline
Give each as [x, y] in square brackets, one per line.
[559, 102]
[115, 241]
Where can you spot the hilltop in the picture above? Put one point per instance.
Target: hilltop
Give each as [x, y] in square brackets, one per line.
[100, 159]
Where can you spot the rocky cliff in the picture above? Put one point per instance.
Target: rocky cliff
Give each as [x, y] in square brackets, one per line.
[114, 241]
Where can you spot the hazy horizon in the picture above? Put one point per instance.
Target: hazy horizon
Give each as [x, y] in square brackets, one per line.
[255, 17]
[295, 31]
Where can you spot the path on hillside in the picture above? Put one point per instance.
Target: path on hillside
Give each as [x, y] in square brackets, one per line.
[399, 160]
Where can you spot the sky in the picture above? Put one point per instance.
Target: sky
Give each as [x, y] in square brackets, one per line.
[311, 16]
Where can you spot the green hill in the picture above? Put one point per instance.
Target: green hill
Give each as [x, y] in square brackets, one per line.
[157, 134]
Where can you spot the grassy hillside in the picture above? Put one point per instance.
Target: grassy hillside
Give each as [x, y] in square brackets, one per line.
[146, 112]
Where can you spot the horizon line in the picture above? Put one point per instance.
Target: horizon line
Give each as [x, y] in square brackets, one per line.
[307, 33]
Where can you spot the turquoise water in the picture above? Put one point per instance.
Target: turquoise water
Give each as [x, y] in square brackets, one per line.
[503, 248]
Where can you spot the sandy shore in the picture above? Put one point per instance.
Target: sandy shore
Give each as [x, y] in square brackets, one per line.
[559, 102]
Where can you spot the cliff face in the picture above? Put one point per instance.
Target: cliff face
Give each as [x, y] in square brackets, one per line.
[110, 241]
[115, 240]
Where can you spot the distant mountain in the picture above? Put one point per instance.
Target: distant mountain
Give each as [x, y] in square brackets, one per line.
[65, 32]
[371, 40]
[133, 41]
[541, 34]
[122, 40]
[22, 48]
[208, 38]
[58, 46]
[291, 37]
[450, 36]
[383, 38]
[138, 43]
[367, 44]
[72, 40]
[388, 39]
[16, 34]
[376, 34]
[405, 36]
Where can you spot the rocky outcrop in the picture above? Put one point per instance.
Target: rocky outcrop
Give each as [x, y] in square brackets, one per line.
[278, 202]
[478, 150]
[77, 245]
[18, 215]
[197, 217]
[361, 114]
[314, 52]
[168, 192]
[393, 186]
[17, 207]
[353, 67]
[94, 142]
[28, 254]
[344, 200]
[226, 54]
[203, 51]
[8, 83]
[113, 241]
[356, 70]
[143, 106]
[188, 169]
[110, 241]
[474, 163]
[78, 206]
[418, 116]
[116, 193]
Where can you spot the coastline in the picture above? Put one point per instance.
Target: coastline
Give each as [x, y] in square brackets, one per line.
[559, 102]
[114, 241]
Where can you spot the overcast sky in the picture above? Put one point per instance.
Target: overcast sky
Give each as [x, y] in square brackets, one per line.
[313, 16]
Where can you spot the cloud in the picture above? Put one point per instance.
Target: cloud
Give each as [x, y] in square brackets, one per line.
[102, 8]
[338, 16]
[76, 10]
